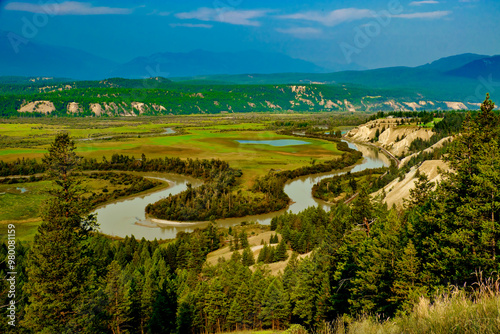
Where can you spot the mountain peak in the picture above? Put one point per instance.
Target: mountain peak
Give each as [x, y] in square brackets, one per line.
[446, 64]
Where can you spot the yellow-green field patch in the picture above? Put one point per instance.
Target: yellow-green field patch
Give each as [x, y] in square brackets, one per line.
[22, 200]
[206, 142]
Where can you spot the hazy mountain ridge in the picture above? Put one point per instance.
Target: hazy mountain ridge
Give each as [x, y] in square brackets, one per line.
[450, 78]
[33, 59]
[484, 67]
[200, 62]
[458, 74]
[453, 62]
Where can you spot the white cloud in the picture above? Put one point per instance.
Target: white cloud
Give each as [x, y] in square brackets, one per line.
[301, 32]
[231, 16]
[425, 15]
[424, 2]
[66, 8]
[332, 18]
[191, 25]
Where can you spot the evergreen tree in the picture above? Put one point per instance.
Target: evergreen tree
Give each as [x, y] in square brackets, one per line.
[371, 286]
[363, 210]
[244, 298]
[407, 286]
[457, 233]
[118, 306]
[236, 243]
[58, 264]
[247, 258]
[163, 319]
[235, 315]
[280, 253]
[310, 291]
[275, 305]
[421, 192]
[216, 306]
[263, 254]
[258, 285]
[243, 240]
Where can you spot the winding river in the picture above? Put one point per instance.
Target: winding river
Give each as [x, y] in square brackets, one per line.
[127, 217]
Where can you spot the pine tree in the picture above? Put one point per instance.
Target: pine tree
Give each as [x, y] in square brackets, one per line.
[363, 210]
[118, 306]
[311, 291]
[216, 305]
[236, 243]
[290, 276]
[244, 298]
[243, 240]
[421, 192]
[163, 318]
[235, 315]
[280, 253]
[275, 305]
[407, 287]
[371, 286]
[270, 255]
[247, 258]
[263, 254]
[458, 232]
[257, 286]
[58, 264]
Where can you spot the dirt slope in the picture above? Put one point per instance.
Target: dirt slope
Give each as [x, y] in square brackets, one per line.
[397, 190]
[437, 145]
[394, 138]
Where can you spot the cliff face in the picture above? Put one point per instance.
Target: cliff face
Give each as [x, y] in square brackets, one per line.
[120, 97]
[394, 138]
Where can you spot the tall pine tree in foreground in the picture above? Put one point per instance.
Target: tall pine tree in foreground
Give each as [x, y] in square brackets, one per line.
[456, 235]
[58, 264]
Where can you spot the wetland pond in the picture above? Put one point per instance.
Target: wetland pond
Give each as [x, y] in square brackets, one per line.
[275, 142]
[127, 217]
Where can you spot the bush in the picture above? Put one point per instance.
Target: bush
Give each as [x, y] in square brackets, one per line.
[296, 329]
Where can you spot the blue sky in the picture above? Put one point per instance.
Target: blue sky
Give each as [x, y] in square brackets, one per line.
[372, 33]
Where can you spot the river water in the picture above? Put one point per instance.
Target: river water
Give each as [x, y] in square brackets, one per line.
[127, 217]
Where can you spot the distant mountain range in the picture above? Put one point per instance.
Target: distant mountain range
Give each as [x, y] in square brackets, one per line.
[465, 77]
[35, 60]
[38, 60]
[199, 62]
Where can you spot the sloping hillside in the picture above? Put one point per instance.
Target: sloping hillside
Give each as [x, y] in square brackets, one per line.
[398, 190]
[388, 134]
[431, 149]
[158, 96]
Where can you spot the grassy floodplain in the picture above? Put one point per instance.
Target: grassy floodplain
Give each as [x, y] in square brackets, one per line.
[196, 137]
[21, 202]
[203, 137]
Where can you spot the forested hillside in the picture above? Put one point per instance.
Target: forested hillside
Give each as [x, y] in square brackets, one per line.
[160, 96]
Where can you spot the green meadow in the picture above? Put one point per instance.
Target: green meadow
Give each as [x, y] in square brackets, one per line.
[201, 137]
